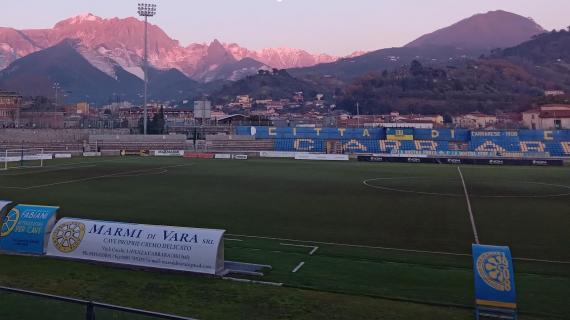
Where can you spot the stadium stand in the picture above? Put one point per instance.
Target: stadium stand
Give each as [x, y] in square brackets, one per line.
[136, 142]
[513, 143]
[239, 145]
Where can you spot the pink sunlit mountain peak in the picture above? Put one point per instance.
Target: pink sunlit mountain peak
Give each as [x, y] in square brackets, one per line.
[120, 41]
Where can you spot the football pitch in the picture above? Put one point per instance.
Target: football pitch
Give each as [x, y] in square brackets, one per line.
[346, 240]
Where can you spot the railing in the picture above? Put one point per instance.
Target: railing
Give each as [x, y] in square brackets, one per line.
[90, 306]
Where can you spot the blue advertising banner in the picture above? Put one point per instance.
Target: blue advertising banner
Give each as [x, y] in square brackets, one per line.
[494, 277]
[25, 229]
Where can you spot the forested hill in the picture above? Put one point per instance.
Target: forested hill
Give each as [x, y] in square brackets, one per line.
[508, 80]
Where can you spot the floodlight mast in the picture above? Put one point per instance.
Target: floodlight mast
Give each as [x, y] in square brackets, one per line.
[146, 10]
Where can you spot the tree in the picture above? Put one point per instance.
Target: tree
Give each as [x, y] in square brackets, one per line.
[158, 122]
[416, 68]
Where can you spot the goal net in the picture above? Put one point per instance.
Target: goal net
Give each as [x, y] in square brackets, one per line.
[23, 158]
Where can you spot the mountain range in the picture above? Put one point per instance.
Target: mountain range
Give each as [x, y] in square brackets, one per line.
[120, 41]
[95, 58]
[466, 39]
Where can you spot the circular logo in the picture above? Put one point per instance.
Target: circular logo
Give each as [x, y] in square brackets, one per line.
[493, 268]
[68, 236]
[10, 222]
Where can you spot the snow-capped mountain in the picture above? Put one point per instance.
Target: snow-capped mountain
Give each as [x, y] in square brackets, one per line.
[109, 42]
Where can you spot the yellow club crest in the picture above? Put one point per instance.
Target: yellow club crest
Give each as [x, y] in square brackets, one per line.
[10, 222]
[68, 236]
[493, 268]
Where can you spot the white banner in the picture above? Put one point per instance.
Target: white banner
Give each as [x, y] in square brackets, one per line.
[168, 153]
[322, 157]
[173, 248]
[28, 157]
[91, 154]
[280, 154]
[62, 155]
[222, 156]
[240, 157]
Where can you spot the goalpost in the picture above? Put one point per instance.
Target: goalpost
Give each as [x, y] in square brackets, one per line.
[23, 158]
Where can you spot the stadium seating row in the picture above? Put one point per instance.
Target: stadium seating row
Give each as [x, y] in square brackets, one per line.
[560, 148]
[456, 135]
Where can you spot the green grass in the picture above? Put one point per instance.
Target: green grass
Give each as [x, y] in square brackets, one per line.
[315, 202]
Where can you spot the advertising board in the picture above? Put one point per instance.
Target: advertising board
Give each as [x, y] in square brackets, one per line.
[163, 247]
[168, 153]
[321, 157]
[25, 229]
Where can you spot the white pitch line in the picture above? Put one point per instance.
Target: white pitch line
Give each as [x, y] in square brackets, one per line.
[351, 245]
[514, 196]
[48, 170]
[301, 264]
[152, 171]
[469, 206]
[385, 248]
[228, 239]
[296, 245]
[313, 250]
[276, 284]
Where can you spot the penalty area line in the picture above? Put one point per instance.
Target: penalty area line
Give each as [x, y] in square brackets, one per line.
[313, 248]
[267, 283]
[385, 248]
[299, 266]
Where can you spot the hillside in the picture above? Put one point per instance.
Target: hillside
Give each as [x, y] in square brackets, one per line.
[66, 64]
[277, 84]
[466, 39]
[508, 80]
[483, 32]
[546, 57]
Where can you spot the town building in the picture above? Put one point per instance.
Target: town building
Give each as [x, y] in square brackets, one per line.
[548, 117]
[553, 93]
[10, 107]
[475, 120]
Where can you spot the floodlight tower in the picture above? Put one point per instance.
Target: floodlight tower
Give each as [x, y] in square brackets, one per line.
[146, 10]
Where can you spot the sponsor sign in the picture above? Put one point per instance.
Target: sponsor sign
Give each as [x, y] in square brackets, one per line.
[27, 157]
[322, 157]
[198, 155]
[42, 156]
[142, 153]
[223, 156]
[279, 154]
[453, 161]
[496, 162]
[494, 277]
[168, 153]
[539, 162]
[62, 155]
[239, 156]
[91, 154]
[25, 229]
[172, 248]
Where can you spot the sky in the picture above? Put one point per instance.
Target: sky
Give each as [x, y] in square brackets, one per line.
[337, 27]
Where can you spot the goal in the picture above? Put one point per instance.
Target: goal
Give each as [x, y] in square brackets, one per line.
[23, 158]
